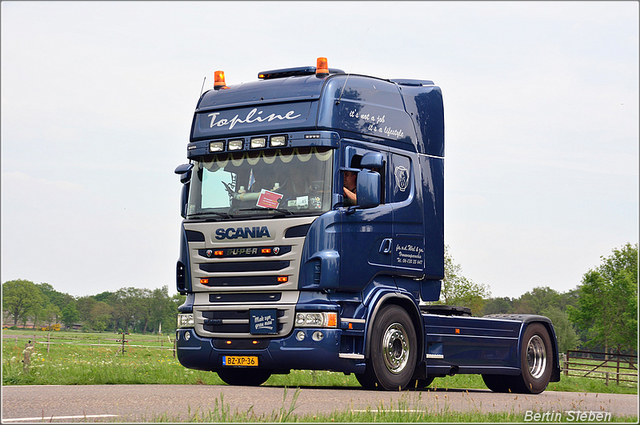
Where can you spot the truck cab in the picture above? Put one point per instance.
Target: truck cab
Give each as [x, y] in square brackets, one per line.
[288, 263]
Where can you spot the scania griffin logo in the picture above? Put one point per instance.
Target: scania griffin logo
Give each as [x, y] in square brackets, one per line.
[243, 232]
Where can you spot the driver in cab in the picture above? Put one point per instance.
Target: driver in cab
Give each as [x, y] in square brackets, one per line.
[349, 188]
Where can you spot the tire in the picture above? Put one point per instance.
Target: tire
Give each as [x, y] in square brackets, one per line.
[394, 349]
[367, 379]
[536, 359]
[536, 363]
[501, 383]
[245, 377]
[423, 383]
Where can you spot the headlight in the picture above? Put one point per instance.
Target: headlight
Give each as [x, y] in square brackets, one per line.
[316, 320]
[185, 320]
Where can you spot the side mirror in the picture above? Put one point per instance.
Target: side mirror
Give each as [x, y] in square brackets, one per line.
[372, 160]
[184, 199]
[368, 189]
[184, 171]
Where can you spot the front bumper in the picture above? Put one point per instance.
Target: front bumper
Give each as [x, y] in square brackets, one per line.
[281, 354]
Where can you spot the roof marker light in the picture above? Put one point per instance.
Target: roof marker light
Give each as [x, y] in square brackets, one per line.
[218, 81]
[322, 67]
[235, 145]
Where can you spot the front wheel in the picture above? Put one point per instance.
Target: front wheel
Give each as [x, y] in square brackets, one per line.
[423, 382]
[394, 349]
[245, 377]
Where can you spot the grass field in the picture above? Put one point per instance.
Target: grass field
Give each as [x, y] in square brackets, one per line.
[91, 359]
[76, 358]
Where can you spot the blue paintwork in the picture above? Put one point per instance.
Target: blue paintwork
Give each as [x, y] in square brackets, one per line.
[355, 260]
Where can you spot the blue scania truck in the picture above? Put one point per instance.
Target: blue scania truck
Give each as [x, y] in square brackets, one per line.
[313, 238]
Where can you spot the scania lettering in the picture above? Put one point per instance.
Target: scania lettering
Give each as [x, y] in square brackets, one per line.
[313, 238]
[246, 232]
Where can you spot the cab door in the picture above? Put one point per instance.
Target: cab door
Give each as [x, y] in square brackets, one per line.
[367, 233]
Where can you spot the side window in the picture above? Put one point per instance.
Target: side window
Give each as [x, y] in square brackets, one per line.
[400, 178]
[349, 178]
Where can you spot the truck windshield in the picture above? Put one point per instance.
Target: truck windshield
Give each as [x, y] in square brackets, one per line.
[283, 181]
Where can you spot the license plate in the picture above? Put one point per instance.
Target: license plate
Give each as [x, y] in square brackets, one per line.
[239, 361]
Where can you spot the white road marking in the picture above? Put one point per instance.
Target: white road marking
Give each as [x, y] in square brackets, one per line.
[54, 418]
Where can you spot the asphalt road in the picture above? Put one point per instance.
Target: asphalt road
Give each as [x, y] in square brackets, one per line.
[149, 403]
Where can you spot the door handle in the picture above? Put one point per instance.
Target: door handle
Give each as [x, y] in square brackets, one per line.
[385, 246]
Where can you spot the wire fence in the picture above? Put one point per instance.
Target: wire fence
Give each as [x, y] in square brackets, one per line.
[117, 340]
[610, 367]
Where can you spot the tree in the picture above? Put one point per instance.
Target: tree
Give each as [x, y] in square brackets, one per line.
[54, 297]
[459, 290]
[607, 302]
[20, 298]
[565, 333]
[147, 308]
[538, 299]
[163, 307]
[502, 305]
[126, 306]
[84, 306]
[100, 316]
[70, 315]
[51, 314]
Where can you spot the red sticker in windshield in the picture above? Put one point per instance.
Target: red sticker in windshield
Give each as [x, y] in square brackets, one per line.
[268, 199]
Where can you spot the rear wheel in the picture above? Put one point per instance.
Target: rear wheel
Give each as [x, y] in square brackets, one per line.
[501, 383]
[246, 377]
[394, 347]
[536, 360]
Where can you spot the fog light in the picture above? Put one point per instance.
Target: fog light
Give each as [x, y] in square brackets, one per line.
[317, 336]
[187, 336]
[300, 336]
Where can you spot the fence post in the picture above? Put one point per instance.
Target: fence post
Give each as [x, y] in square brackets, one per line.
[48, 341]
[26, 359]
[618, 366]
[606, 378]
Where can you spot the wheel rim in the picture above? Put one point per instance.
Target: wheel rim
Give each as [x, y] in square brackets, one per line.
[536, 357]
[395, 348]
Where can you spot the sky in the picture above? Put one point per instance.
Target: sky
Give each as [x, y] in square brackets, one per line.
[541, 125]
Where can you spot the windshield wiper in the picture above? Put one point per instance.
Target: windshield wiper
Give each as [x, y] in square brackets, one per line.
[280, 210]
[219, 214]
